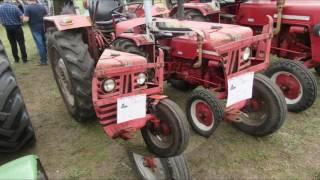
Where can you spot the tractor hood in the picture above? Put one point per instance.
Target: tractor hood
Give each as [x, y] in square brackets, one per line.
[111, 59]
[218, 34]
[297, 11]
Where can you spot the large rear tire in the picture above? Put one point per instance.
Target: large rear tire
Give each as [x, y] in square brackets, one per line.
[194, 15]
[297, 83]
[266, 112]
[171, 137]
[73, 70]
[204, 112]
[15, 126]
[181, 85]
[126, 45]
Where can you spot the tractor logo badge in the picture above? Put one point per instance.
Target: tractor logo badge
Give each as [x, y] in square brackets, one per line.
[123, 106]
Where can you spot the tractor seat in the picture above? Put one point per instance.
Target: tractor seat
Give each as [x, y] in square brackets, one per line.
[103, 15]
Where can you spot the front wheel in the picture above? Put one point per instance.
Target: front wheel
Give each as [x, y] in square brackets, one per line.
[204, 112]
[265, 113]
[296, 82]
[171, 136]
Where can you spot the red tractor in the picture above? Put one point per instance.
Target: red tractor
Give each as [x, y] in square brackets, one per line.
[212, 56]
[296, 38]
[113, 86]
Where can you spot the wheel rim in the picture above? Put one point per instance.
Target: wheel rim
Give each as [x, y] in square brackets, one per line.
[256, 110]
[160, 135]
[64, 81]
[202, 115]
[289, 85]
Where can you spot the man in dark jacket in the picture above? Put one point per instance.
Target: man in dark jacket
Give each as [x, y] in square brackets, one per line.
[11, 18]
[33, 14]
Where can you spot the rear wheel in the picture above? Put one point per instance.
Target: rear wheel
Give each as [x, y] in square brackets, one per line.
[297, 83]
[181, 85]
[317, 69]
[125, 45]
[204, 112]
[171, 136]
[194, 15]
[73, 69]
[265, 113]
[15, 126]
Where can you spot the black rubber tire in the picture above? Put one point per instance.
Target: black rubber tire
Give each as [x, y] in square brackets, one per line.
[304, 76]
[209, 99]
[181, 85]
[178, 168]
[126, 45]
[277, 109]
[168, 111]
[69, 46]
[317, 69]
[194, 15]
[170, 4]
[16, 129]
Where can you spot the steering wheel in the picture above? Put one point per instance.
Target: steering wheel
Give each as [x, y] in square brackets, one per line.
[121, 9]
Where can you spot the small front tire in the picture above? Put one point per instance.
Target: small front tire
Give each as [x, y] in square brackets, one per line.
[266, 112]
[171, 137]
[204, 112]
[297, 83]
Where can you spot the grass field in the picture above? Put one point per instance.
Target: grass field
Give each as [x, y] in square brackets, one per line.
[70, 150]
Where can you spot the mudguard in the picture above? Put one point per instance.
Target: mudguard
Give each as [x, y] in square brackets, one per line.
[66, 22]
[27, 167]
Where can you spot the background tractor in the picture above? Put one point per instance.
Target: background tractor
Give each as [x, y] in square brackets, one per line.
[295, 38]
[112, 85]
[209, 55]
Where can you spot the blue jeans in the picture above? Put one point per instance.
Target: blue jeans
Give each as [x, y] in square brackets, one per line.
[40, 40]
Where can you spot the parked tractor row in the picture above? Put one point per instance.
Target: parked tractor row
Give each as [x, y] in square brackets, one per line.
[113, 65]
[295, 39]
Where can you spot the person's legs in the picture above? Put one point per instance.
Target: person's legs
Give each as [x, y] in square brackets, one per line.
[40, 42]
[20, 39]
[11, 34]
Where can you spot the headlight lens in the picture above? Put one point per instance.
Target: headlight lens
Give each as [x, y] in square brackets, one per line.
[141, 79]
[109, 85]
[246, 54]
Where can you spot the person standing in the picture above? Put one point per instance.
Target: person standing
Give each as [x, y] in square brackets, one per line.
[33, 14]
[11, 18]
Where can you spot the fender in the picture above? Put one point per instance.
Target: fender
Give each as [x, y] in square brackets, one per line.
[66, 22]
[204, 8]
[138, 39]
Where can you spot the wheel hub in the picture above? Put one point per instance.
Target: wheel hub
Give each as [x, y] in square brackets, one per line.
[289, 85]
[254, 113]
[204, 113]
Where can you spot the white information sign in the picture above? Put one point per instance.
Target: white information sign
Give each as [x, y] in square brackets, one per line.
[131, 107]
[240, 88]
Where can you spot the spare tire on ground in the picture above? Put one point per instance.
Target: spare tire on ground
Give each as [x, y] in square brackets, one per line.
[15, 125]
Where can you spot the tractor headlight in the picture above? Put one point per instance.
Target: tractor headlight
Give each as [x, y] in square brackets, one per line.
[246, 54]
[109, 85]
[141, 79]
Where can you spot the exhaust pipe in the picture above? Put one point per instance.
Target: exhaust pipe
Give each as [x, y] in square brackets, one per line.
[180, 12]
[280, 6]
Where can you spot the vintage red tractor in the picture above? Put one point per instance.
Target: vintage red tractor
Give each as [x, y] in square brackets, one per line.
[211, 55]
[296, 38]
[112, 85]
